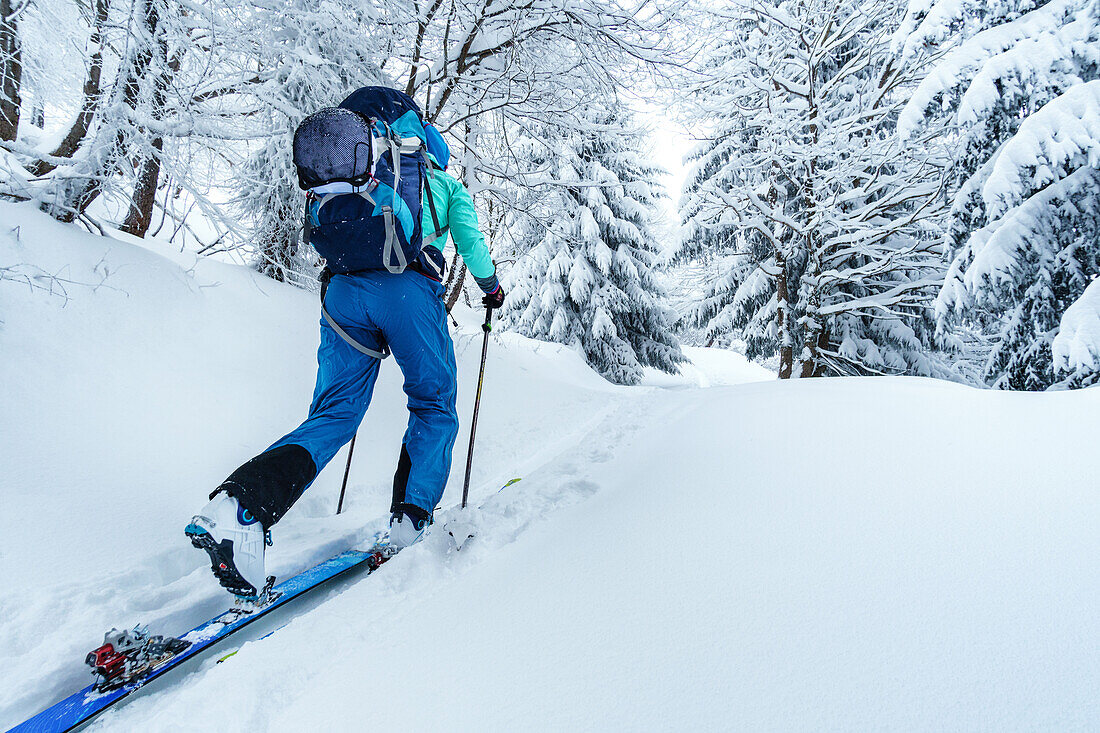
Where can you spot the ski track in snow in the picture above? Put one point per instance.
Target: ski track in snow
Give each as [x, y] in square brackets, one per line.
[501, 519]
[886, 554]
[127, 402]
[896, 593]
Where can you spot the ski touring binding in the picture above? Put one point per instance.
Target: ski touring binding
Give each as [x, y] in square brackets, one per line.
[378, 555]
[128, 656]
[244, 605]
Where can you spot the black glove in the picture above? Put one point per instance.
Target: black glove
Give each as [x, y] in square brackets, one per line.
[494, 299]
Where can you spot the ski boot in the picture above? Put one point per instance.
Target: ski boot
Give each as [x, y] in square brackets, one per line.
[235, 540]
[406, 529]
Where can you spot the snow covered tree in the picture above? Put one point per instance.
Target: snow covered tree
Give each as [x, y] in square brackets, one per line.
[302, 56]
[1077, 345]
[161, 111]
[475, 67]
[190, 102]
[487, 71]
[136, 115]
[584, 274]
[117, 142]
[1016, 86]
[711, 233]
[819, 214]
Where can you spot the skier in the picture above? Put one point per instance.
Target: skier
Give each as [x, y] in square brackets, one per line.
[404, 312]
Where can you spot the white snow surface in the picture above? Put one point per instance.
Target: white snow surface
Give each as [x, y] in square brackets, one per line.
[714, 551]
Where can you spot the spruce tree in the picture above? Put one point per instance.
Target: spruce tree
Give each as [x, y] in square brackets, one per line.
[712, 233]
[585, 273]
[1077, 345]
[1017, 86]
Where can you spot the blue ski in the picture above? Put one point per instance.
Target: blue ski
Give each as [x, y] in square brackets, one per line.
[81, 707]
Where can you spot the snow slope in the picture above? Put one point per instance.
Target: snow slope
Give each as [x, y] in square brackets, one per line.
[136, 378]
[827, 554]
[704, 576]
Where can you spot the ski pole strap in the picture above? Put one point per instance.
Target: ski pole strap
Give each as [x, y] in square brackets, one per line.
[325, 277]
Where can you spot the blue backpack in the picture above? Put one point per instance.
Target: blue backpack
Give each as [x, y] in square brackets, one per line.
[364, 168]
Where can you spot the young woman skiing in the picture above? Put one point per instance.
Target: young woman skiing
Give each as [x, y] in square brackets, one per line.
[367, 314]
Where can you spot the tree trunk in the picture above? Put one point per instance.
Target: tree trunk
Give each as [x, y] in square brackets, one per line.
[812, 320]
[126, 92]
[469, 178]
[469, 159]
[145, 193]
[818, 369]
[811, 364]
[145, 190]
[91, 94]
[11, 72]
[456, 289]
[782, 319]
[813, 328]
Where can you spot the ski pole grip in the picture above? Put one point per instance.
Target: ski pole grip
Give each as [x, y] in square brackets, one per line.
[488, 325]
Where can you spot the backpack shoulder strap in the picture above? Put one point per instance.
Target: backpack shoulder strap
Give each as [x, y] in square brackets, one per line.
[431, 205]
[307, 227]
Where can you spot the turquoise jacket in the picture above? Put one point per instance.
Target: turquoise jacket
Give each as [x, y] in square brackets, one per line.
[457, 216]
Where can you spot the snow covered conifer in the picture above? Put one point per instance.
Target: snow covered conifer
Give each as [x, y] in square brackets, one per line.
[817, 212]
[1077, 345]
[584, 276]
[711, 231]
[1019, 85]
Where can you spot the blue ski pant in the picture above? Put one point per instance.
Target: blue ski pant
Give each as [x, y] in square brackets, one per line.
[406, 313]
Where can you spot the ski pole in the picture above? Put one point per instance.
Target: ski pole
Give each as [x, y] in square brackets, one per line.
[347, 470]
[486, 327]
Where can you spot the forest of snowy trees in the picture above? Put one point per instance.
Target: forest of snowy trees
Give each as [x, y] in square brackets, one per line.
[875, 187]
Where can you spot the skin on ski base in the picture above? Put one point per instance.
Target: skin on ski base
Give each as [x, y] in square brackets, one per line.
[82, 706]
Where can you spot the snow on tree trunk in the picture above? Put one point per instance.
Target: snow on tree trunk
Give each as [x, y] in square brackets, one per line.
[11, 70]
[149, 166]
[783, 317]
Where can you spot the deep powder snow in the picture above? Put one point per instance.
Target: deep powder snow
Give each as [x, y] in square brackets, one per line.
[826, 554]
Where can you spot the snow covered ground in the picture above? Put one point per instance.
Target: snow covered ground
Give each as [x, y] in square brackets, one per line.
[711, 551]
